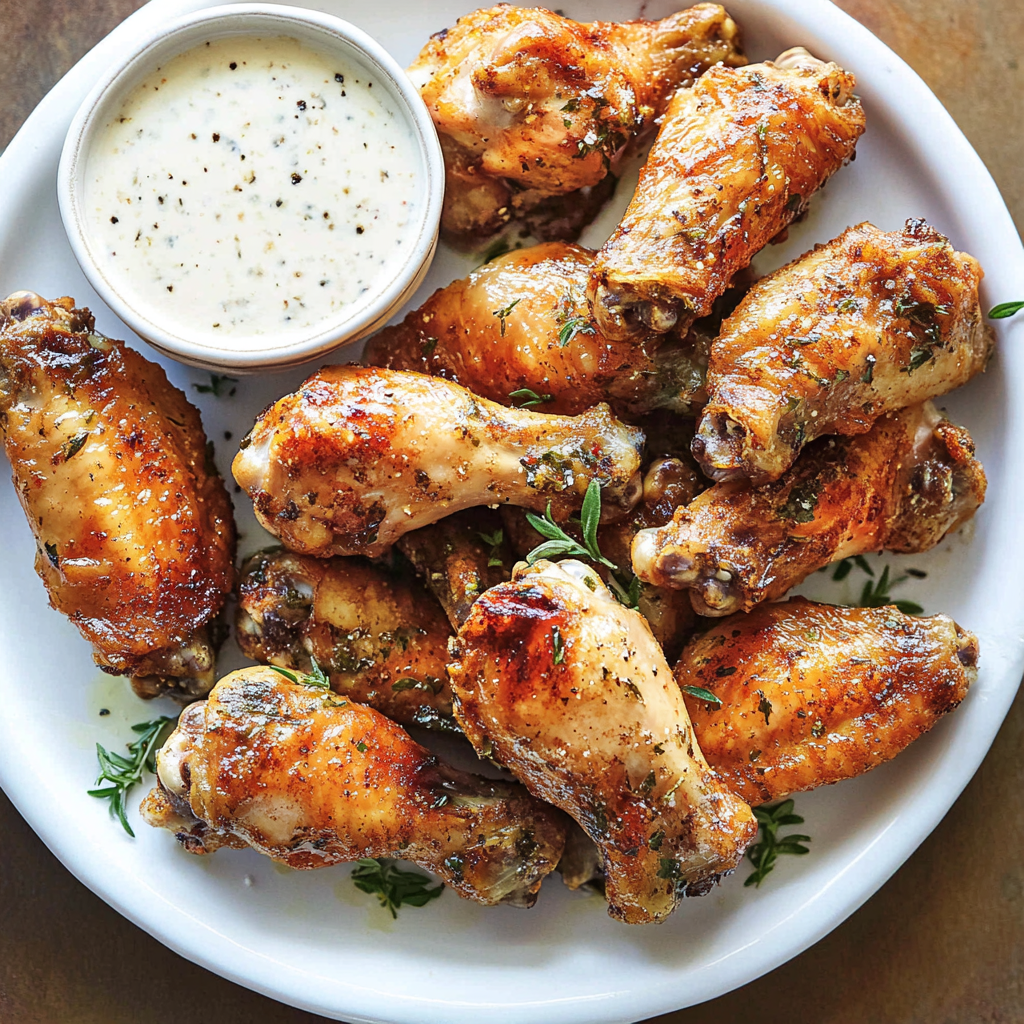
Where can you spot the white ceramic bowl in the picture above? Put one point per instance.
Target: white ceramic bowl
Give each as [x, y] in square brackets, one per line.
[388, 289]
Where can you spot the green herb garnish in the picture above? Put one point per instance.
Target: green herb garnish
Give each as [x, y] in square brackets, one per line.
[571, 326]
[494, 542]
[124, 772]
[1005, 309]
[765, 852]
[70, 448]
[503, 314]
[844, 567]
[701, 694]
[801, 502]
[314, 677]
[557, 647]
[216, 387]
[393, 886]
[876, 593]
[526, 397]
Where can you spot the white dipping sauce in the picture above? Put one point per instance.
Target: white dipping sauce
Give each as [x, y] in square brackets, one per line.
[252, 186]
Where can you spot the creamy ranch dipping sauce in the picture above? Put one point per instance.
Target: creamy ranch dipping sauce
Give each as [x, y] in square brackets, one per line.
[252, 186]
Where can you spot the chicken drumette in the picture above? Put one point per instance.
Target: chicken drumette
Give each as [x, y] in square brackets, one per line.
[902, 486]
[134, 527]
[562, 684]
[378, 635]
[737, 159]
[812, 694]
[546, 343]
[871, 322]
[312, 779]
[359, 456]
[531, 105]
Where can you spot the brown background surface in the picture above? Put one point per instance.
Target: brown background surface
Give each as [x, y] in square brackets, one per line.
[941, 943]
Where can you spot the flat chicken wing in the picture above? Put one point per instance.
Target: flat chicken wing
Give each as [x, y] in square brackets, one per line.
[737, 159]
[311, 779]
[570, 691]
[379, 637]
[902, 486]
[135, 531]
[359, 456]
[546, 343]
[530, 105]
[869, 323]
[813, 694]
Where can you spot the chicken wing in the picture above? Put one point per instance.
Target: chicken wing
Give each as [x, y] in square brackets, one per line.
[529, 104]
[813, 694]
[737, 159]
[869, 323]
[547, 343]
[570, 690]
[359, 456]
[902, 486]
[378, 636]
[134, 527]
[311, 779]
[459, 558]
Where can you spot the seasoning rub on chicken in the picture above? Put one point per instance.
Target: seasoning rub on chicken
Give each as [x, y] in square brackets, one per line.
[812, 694]
[738, 157]
[533, 108]
[902, 486]
[871, 322]
[568, 689]
[359, 456]
[312, 779]
[135, 533]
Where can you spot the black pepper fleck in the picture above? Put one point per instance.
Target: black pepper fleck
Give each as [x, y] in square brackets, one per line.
[233, 66]
[296, 177]
[113, 220]
[216, 136]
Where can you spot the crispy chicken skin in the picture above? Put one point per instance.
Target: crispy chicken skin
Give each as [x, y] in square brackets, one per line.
[902, 486]
[871, 322]
[529, 104]
[548, 342]
[737, 159]
[570, 691]
[380, 638]
[358, 456]
[311, 779]
[459, 557]
[812, 694]
[134, 527]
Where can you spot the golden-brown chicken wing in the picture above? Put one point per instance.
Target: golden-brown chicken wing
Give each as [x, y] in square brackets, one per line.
[529, 104]
[737, 159]
[547, 343]
[359, 456]
[135, 531]
[311, 779]
[570, 690]
[902, 486]
[379, 637]
[812, 694]
[459, 557]
[871, 322]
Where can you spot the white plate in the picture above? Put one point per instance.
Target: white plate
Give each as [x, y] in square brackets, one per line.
[309, 938]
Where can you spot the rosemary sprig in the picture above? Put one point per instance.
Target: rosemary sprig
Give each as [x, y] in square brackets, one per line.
[765, 852]
[1005, 309]
[571, 326]
[875, 593]
[393, 886]
[217, 386]
[560, 545]
[528, 397]
[845, 567]
[315, 677]
[124, 772]
[503, 314]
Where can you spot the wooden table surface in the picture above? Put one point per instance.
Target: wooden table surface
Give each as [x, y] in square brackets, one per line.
[941, 943]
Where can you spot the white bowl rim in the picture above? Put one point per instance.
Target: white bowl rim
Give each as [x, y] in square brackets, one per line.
[363, 316]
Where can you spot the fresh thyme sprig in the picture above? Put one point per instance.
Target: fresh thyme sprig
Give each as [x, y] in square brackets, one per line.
[529, 398]
[560, 545]
[124, 772]
[218, 384]
[1005, 309]
[315, 677]
[765, 852]
[392, 885]
[503, 314]
[494, 542]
